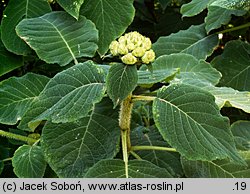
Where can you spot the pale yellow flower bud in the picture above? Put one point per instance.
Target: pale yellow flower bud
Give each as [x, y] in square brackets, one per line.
[147, 44]
[131, 46]
[122, 49]
[129, 59]
[148, 57]
[114, 48]
[139, 52]
[122, 40]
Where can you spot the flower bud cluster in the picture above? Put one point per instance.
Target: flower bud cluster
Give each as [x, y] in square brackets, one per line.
[133, 47]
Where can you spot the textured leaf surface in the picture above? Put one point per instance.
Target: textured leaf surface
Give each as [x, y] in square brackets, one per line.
[233, 4]
[8, 61]
[29, 162]
[216, 169]
[189, 120]
[72, 148]
[69, 96]
[53, 40]
[234, 65]
[136, 169]
[241, 132]
[230, 97]
[72, 8]
[224, 96]
[121, 81]
[17, 94]
[163, 159]
[190, 68]
[218, 16]
[110, 17]
[193, 41]
[194, 7]
[14, 13]
[158, 74]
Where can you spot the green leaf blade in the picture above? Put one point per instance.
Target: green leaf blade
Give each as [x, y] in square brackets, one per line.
[189, 68]
[53, 40]
[69, 96]
[189, 120]
[111, 19]
[72, 8]
[194, 7]
[72, 148]
[14, 13]
[233, 4]
[241, 132]
[8, 61]
[236, 72]
[218, 16]
[217, 169]
[17, 94]
[136, 169]
[121, 81]
[193, 41]
[146, 77]
[168, 160]
[29, 162]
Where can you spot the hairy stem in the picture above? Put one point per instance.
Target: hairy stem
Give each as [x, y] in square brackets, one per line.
[234, 28]
[124, 123]
[17, 137]
[134, 148]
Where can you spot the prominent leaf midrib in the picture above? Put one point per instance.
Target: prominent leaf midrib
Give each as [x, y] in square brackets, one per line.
[68, 47]
[226, 172]
[238, 74]
[20, 101]
[29, 156]
[196, 43]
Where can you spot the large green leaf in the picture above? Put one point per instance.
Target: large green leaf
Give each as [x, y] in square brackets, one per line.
[13, 14]
[234, 65]
[218, 16]
[136, 169]
[194, 7]
[192, 41]
[224, 96]
[29, 162]
[216, 169]
[189, 120]
[121, 81]
[110, 17]
[72, 7]
[69, 96]
[163, 159]
[233, 4]
[230, 97]
[17, 94]
[59, 38]
[8, 61]
[190, 68]
[72, 148]
[241, 132]
[158, 74]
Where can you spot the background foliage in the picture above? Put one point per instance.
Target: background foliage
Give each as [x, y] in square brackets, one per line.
[60, 90]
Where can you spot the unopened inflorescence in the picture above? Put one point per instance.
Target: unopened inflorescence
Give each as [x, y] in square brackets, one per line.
[133, 47]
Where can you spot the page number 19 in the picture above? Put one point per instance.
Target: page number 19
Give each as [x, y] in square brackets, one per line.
[240, 186]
